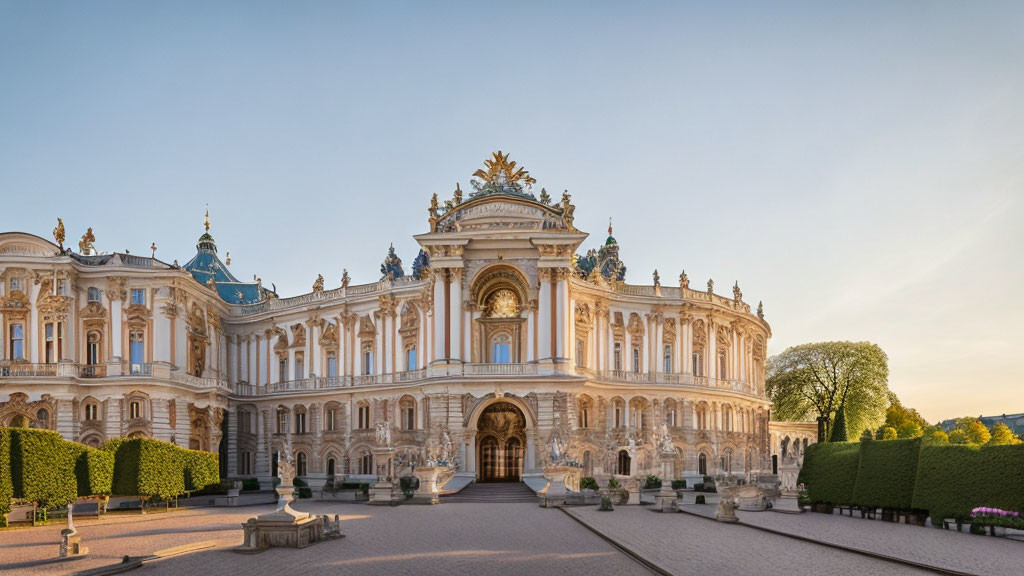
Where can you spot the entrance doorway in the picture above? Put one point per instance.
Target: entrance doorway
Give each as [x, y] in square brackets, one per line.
[501, 436]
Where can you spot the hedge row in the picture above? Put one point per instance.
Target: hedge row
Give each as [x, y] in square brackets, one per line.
[953, 480]
[887, 473]
[145, 467]
[830, 471]
[6, 487]
[946, 480]
[40, 466]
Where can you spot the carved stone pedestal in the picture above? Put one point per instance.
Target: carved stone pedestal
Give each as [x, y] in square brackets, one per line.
[287, 528]
[430, 488]
[555, 493]
[665, 501]
[382, 493]
[71, 544]
[787, 503]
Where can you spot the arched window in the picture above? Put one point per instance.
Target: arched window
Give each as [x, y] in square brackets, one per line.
[300, 464]
[670, 417]
[91, 411]
[92, 350]
[407, 408]
[94, 294]
[623, 463]
[702, 464]
[330, 419]
[330, 467]
[135, 409]
[43, 417]
[584, 417]
[366, 463]
[501, 348]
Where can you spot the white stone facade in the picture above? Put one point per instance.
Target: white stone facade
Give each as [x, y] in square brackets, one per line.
[116, 345]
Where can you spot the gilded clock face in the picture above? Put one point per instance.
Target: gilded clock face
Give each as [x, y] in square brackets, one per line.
[503, 304]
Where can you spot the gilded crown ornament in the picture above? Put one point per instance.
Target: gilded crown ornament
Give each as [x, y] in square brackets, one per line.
[58, 234]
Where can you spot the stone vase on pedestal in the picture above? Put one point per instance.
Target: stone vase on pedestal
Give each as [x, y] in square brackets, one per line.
[382, 492]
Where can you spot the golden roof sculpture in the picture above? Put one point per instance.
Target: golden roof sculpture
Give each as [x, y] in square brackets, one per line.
[499, 165]
[58, 234]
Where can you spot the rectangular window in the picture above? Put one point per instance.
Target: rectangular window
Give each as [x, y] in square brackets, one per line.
[410, 358]
[15, 284]
[636, 360]
[282, 423]
[136, 351]
[139, 296]
[368, 362]
[618, 356]
[298, 368]
[502, 353]
[17, 341]
[581, 359]
[91, 412]
[408, 419]
[721, 368]
[332, 366]
[364, 417]
[697, 368]
[668, 359]
[94, 294]
[618, 416]
[329, 420]
[134, 410]
[300, 423]
[282, 370]
[50, 345]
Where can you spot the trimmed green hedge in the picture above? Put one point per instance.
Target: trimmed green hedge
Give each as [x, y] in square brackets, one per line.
[830, 471]
[887, 474]
[42, 467]
[202, 469]
[94, 471]
[6, 487]
[953, 480]
[145, 467]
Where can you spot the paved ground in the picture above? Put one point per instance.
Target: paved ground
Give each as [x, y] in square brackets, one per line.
[453, 539]
[684, 544]
[519, 539]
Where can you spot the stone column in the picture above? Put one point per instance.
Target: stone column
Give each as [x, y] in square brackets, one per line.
[456, 313]
[544, 344]
[440, 309]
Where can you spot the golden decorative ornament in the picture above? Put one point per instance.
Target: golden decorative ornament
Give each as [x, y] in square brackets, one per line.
[503, 304]
[85, 246]
[58, 234]
[499, 165]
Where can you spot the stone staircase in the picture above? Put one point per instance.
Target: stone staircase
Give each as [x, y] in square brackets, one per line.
[491, 493]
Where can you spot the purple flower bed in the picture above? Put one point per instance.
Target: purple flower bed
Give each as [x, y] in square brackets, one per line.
[997, 517]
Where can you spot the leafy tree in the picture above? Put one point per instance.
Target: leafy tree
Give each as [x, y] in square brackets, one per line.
[908, 422]
[936, 435]
[957, 436]
[889, 433]
[1002, 435]
[839, 428]
[816, 379]
[977, 433]
[867, 435]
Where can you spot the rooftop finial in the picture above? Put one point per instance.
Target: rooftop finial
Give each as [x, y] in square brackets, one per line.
[206, 221]
[609, 225]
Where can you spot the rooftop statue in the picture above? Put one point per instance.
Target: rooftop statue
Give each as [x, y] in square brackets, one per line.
[737, 294]
[58, 234]
[711, 286]
[421, 263]
[457, 197]
[391, 268]
[657, 278]
[568, 210]
[501, 176]
[345, 278]
[85, 246]
[760, 310]
[318, 284]
[432, 209]
[684, 280]
[544, 198]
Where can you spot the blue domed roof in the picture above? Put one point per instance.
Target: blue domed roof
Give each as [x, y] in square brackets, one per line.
[205, 265]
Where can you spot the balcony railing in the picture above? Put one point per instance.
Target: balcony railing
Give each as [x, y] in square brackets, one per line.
[137, 369]
[499, 369]
[93, 371]
[26, 370]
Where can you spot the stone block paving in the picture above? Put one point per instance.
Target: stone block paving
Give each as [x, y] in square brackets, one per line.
[959, 551]
[452, 539]
[683, 544]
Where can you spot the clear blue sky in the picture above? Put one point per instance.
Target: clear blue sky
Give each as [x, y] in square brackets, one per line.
[860, 168]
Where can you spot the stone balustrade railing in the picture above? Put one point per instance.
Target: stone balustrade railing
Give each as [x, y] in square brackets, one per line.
[324, 296]
[319, 383]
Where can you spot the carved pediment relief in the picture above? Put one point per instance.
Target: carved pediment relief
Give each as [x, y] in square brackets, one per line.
[197, 321]
[583, 314]
[366, 327]
[329, 336]
[93, 311]
[636, 326]
[298, 334]
[15, 304]
[137, 314]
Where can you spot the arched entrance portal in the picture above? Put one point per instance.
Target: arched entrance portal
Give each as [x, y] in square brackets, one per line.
[500, 438]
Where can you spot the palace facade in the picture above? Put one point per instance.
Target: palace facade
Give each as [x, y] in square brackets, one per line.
[506, 348]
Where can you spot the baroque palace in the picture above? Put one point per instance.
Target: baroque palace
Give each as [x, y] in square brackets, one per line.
[506, 348]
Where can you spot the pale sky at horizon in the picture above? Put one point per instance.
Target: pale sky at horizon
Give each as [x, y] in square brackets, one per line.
[859, 168]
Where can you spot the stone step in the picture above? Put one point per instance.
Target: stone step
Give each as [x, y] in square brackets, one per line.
[493, 493]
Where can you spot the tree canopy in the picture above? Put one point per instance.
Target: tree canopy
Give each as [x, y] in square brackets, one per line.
[816, 379]
[1002, 435]
[907, 422]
